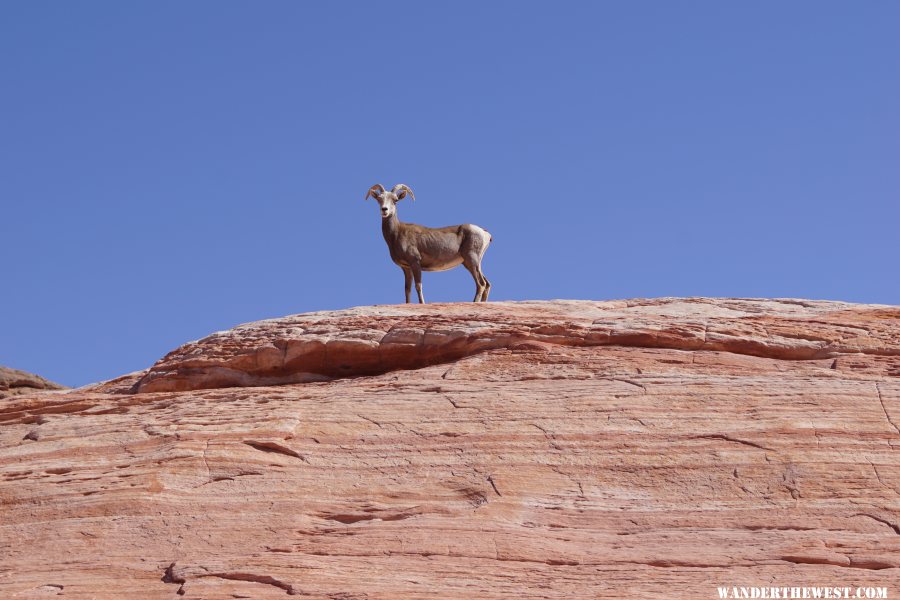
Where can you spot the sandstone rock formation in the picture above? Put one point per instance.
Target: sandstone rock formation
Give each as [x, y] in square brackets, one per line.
[642, 448]
[14, 381]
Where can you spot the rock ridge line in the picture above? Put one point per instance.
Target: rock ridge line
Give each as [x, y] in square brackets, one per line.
[369, 341]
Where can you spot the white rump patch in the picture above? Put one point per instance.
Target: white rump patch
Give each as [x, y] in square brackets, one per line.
[485, 236]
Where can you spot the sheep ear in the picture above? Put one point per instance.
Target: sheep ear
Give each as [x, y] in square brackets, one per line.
[401, 195]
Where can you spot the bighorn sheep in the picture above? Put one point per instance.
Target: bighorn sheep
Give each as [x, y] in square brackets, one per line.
[415, 248]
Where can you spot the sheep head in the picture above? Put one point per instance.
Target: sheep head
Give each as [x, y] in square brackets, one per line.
[387, 200]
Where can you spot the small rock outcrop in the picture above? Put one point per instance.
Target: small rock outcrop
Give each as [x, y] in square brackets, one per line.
[14, 382]
[564, 449]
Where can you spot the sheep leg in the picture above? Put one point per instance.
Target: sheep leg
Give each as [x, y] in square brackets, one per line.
[487, 285]
[417, 275]
[472, 268]
[407, 282]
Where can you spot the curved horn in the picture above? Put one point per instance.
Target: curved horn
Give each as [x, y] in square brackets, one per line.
[403, 190]
[375, 191]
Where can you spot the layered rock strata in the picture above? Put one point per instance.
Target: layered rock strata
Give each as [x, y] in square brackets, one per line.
[537, 450]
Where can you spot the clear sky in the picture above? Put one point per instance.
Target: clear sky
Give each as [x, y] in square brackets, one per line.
[169, 169]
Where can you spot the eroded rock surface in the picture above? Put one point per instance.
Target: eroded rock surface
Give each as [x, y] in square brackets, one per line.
[14, 382]
[646, 448]
[374, 340]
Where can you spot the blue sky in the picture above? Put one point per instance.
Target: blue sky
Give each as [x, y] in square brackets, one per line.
[171, 169]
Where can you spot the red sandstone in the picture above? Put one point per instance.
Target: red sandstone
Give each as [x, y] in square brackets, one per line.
[644, 448]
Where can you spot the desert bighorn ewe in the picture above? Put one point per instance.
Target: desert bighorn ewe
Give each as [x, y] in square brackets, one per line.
[415, 248]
